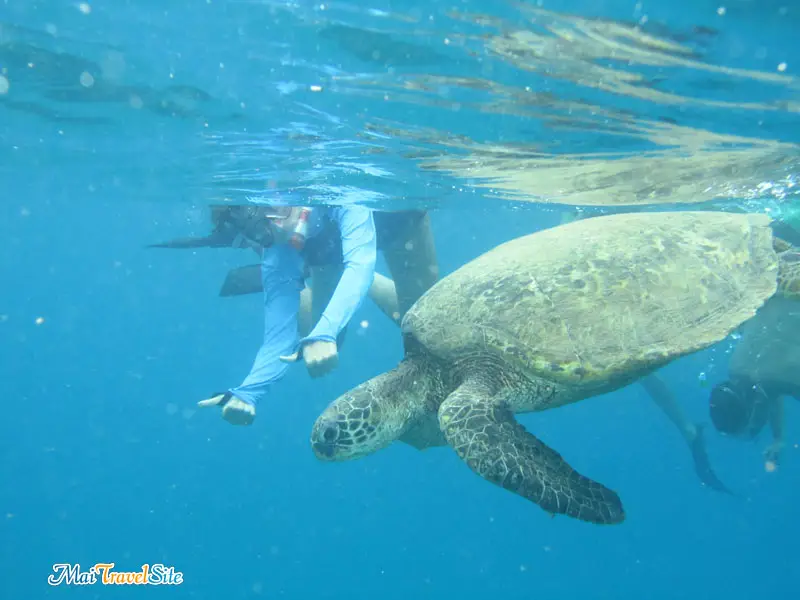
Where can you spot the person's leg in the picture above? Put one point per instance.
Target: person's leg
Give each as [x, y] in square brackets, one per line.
[657, 389]
[383, 294]
[406, 240]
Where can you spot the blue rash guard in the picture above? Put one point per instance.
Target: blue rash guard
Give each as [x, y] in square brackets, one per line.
[282, 276]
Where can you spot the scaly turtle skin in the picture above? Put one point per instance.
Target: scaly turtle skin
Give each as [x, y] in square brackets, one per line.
[552, 318]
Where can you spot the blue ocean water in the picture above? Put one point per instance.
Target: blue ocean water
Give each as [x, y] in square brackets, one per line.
[120, 122]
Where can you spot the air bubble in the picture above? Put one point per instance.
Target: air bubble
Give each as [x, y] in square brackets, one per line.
[86, 79]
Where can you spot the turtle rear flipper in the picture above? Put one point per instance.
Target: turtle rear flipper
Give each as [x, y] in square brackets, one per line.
[485, 435]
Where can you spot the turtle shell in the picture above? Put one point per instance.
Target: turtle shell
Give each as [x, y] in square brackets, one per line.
[602, 298]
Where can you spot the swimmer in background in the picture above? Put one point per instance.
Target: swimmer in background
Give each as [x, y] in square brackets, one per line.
[764, 369]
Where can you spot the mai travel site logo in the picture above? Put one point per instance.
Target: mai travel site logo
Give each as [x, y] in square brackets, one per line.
[157, 574]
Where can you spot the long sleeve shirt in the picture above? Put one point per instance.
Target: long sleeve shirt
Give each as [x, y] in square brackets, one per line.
[282, 276]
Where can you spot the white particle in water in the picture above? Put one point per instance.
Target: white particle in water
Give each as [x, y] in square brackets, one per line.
[84, 8]
[721, 11]
[4, 85]
[782, 67]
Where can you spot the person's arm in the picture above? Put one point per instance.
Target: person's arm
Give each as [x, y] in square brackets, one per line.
[693, 434]
[282, 272]
[776, 419]
[776, 423]
[359, 252]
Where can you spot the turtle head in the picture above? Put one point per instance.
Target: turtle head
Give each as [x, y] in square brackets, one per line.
[371, 416]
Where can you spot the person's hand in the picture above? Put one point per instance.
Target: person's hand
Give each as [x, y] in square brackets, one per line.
[234, 410]
[772, 455]
[321, 357]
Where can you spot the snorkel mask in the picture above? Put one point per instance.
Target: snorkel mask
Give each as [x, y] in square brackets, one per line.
[265, 225]
[293, 221]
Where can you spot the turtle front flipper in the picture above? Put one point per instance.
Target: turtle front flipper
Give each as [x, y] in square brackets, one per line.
[485, 435]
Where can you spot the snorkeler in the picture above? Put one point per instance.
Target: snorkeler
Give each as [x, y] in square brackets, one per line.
[336, 248]
[763, 369]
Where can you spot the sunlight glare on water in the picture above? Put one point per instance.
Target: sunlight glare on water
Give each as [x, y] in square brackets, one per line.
[419, 103]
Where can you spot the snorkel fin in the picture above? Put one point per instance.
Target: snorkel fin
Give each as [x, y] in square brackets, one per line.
[208, 241]
[242, 281]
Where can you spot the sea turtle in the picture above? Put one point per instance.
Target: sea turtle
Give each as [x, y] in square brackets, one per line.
[549, 319]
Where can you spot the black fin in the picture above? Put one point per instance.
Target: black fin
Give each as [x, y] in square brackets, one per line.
[702, 465]
[242, 281]
[215, 240]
